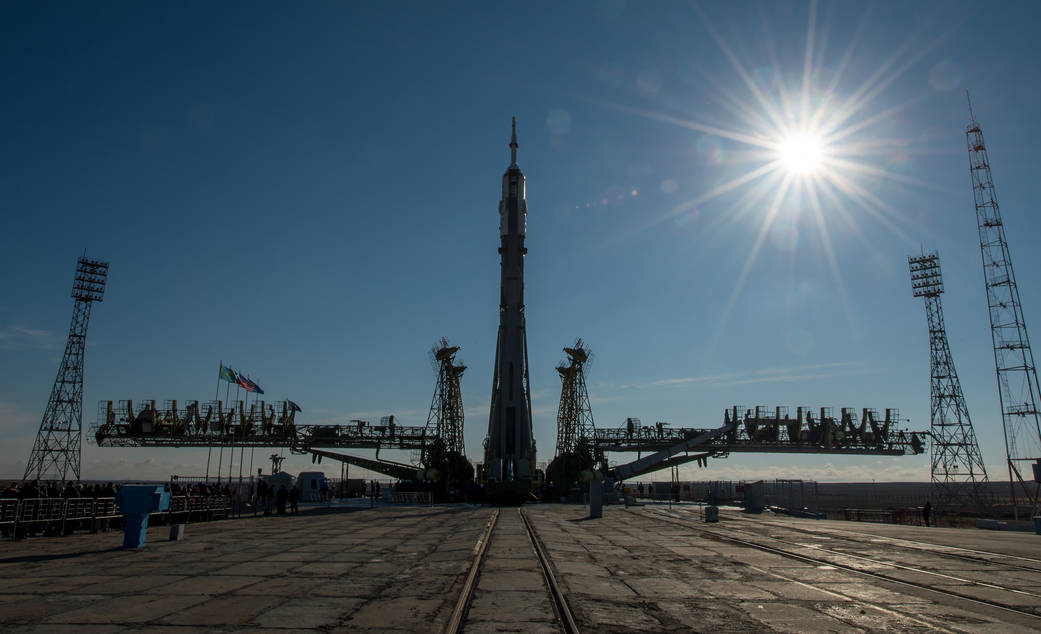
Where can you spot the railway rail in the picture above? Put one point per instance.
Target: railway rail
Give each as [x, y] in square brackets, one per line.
[564, 618]
[818, 555]
[972, 555]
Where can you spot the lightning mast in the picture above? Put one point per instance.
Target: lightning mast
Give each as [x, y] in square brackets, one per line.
[959, 477]
[56, 452]
[1013, 360]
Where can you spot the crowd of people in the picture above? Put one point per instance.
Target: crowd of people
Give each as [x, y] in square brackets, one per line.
[267, 494]
[35, 489]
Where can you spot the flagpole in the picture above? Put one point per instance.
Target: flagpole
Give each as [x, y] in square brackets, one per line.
[209, 446]
[221, 415]
[242, 448]
[231, 450]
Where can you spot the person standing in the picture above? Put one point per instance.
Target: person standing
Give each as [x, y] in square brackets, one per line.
[927, 510]
[294, 498]
[280, 499]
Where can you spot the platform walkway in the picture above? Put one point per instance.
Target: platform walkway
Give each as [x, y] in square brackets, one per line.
[402, 569]
[388, 568]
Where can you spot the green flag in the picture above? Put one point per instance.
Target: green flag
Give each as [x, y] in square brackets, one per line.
[227, 374]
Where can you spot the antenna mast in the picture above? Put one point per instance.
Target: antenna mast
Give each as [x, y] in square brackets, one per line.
[1013, 358]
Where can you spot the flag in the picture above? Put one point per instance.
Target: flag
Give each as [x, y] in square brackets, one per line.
[246, 384]
[293, 407]
[227, 374]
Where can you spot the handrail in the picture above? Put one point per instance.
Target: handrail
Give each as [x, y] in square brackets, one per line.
[28, 511]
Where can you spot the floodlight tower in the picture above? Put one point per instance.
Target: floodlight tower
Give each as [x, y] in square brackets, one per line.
[1013, 359]
[959, 477]
[56, 452]
[445, 420]
[574, 415]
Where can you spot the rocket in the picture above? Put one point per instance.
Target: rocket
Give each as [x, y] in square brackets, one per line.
[510, 446]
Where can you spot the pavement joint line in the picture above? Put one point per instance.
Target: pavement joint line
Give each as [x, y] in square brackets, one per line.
[903, 567]
[849, 599]
[936, 548]
[791, 555]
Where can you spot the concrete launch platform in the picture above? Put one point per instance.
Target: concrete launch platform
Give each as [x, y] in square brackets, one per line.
[648, 568]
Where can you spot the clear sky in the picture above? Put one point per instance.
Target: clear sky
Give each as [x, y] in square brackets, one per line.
[309, 193]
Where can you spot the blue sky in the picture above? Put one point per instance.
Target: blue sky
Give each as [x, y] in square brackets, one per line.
[310, 193]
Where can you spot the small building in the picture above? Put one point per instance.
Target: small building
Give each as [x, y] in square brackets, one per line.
[275, 481]
[755, 496]
[310, 483]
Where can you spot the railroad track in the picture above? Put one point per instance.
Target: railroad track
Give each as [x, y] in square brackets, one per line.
[756, 542]
[562, 611]
[956, 552]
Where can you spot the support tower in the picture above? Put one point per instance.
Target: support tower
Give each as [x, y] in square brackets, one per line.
[574, 415]
[510, 446]
[959, 477]
[445, 420]
[1013, 358]
[56, 452]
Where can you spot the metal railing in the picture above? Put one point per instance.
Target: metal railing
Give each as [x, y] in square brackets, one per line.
[425, 498]
[62, 516]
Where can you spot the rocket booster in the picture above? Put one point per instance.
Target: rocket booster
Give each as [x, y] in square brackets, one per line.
[510, 451]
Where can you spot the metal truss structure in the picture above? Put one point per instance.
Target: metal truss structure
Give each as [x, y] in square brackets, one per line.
[56, 452]
[959, 477]
[762, 430]
[1013, 359]
[214, 424]
[574, 415]
[445, 420]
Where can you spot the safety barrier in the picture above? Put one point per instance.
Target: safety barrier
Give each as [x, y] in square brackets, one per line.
[909, 516]
[425, 498]
[62, 516]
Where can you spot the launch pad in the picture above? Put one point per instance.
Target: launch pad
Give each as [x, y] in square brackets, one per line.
[508, 470]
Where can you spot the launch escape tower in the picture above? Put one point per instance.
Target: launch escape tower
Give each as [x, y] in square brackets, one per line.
[574, 415]
[959, 477]
[1013, 360]
[510, 445]
[56, 452]
[445, 421]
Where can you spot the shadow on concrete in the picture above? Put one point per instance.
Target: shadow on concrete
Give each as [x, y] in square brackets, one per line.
[38, 558]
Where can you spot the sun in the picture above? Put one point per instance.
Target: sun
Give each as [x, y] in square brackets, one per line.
[801, 153]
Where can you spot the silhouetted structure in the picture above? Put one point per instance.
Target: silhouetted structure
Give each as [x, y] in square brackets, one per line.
[1013, 358]
[510, 445]
[56, 452]
[958, 475]
[574, 414]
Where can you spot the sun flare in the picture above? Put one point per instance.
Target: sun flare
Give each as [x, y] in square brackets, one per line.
[801, 153]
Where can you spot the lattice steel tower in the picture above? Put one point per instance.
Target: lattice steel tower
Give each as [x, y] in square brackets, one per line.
[959, 477]
[575, 415]
[446, 408]
[56, 452]
[1013, 359]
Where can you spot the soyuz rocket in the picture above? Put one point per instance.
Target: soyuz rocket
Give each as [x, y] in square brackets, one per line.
[510, 446]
